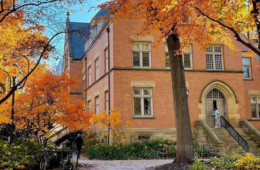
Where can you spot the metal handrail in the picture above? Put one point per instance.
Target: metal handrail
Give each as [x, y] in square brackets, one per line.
[57, 134]
[232, 131]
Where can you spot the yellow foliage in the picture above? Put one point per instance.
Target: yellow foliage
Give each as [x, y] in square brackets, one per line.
[247, 162]
[114, 122]
[188, 19]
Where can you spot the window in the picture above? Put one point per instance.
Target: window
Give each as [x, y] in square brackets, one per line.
[255, 107]
[246, 68]
[106, 101]
[89, 105]
[97, 68]
[97, 105]
[186, 57]
[214, 58]
[106, 59]
[142, 102]
[141, 54]
[89, 75]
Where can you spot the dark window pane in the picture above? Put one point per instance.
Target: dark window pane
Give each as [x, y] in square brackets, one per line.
[147, 106]
[218, 62]
[137, 106]
[187, 62]
[136, 59]
[253, 110]
[246, 71]
[146, 60]
[258, 111]
[167, 59]
[209, 61]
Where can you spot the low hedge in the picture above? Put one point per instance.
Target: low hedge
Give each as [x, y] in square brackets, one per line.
[150, 149]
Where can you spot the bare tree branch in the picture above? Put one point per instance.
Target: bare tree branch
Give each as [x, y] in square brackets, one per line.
[24, 5]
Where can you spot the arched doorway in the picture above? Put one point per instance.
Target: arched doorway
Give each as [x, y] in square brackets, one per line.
[230, 102]
[214, 99]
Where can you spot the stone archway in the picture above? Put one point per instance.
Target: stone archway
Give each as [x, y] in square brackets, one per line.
[230, 99]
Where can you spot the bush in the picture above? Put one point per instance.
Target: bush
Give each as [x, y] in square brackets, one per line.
[151, 149]
[89, 139]
[18, 155]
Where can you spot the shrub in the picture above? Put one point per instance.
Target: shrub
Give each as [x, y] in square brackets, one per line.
[18, 155]
[89, 139]
[151, 149]
[236, 162]
[197, 165]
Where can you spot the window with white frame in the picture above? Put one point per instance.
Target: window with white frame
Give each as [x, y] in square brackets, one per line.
[89, 105]
[214, 57]
[106, 59]
[255, 107]
[97, 105]
[107, 101]
[89, 75]
[97, 68]
[246, 68]
[186, 57]
[142, 102]
[141, 54]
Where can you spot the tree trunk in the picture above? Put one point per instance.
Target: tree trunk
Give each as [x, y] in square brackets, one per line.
[185, 153]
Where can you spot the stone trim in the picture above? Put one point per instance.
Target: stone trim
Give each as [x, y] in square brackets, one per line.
[142, 84]
[89, 64]
[254, 92]
[96, 56]
[96, 93]
[142, 38]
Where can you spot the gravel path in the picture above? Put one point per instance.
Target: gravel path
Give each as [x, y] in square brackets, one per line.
[122, 164]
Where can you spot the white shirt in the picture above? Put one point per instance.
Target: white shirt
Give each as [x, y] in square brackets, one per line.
[216, 113]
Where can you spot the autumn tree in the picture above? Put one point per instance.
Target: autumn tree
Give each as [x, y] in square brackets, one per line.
[239, 19]
[22, 25]
[181, 23]
[43, 104]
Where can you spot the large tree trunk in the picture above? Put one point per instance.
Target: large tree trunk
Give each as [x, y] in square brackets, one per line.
[185, 153]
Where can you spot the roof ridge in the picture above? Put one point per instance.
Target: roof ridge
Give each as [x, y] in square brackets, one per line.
[80, 22]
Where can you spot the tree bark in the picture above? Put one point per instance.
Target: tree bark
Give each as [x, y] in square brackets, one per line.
[185, 153]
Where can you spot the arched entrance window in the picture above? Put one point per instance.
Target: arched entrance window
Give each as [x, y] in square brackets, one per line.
[214, 99]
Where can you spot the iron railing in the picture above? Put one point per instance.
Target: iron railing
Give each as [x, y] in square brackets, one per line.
[232, 131]
[59, 134]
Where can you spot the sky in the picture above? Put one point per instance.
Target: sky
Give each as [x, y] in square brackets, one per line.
[78, 16]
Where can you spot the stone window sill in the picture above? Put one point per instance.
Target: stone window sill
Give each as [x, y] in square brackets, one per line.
[248, 79]
[143, 117]
[253, 119]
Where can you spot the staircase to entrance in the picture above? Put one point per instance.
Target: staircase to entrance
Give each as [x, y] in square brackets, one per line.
[230, 145]
[228, 140]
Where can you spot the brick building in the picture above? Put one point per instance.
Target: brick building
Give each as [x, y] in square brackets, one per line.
[135, 78]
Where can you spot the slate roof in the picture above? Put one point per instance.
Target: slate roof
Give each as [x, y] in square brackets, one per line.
[102, 12]
[77, 38]
[82, 31]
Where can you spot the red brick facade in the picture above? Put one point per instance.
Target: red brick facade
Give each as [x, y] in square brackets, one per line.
[124, 77]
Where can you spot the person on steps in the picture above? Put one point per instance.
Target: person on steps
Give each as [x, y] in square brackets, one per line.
[216, 118]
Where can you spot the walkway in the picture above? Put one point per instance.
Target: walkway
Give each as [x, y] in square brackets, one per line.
[122, 164]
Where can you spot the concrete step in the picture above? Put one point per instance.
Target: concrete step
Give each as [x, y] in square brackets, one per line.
[230, 145]
[254, 148]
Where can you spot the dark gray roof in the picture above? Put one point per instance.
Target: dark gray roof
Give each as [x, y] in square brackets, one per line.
[102, 12]
[80, 32]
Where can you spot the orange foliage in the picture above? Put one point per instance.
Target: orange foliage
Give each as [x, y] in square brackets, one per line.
[45, 101]
[185, 18]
